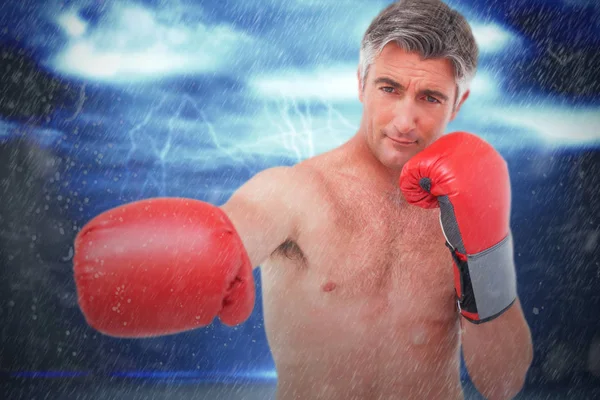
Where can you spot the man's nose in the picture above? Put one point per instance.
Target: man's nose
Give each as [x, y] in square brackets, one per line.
[405, 116]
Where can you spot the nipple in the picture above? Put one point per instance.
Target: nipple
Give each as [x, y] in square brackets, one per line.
[329, 286]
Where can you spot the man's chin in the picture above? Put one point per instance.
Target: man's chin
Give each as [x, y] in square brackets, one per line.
[396, 160]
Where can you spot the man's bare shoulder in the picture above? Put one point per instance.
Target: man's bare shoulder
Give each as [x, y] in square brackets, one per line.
[281, 191]
[271, 208]
[291, 182]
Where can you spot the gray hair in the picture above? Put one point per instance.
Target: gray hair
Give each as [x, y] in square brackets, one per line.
[428, 27]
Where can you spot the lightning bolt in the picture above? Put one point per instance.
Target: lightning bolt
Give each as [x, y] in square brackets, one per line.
[133, 139]
[290, 130]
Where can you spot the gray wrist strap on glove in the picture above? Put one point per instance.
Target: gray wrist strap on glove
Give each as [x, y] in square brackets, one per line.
[486, 283]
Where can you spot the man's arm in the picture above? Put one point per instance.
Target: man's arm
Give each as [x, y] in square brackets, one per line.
[469, 180]
[263, 211]
[498, 353]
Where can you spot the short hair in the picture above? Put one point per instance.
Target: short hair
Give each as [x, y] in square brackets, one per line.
[429, 27]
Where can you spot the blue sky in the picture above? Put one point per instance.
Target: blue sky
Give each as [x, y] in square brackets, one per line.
[277, 79]
[165, 92]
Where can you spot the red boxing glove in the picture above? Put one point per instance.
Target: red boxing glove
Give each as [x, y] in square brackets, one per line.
[162, 266]
[468, 180]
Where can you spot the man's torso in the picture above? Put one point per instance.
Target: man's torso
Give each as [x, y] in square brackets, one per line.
[360, 304]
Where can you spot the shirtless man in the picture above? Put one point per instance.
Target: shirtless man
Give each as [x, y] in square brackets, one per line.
[359, 290]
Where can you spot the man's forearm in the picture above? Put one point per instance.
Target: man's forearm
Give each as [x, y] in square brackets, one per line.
[498, 353]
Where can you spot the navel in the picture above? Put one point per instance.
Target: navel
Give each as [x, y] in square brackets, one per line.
[419, 335]
[329, 286]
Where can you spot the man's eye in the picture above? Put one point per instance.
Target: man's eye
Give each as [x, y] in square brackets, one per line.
[388, 89]
[431, 99]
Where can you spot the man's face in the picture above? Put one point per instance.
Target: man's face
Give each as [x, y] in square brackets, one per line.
[407, 103]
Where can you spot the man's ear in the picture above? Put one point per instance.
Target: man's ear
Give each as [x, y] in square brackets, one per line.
[360, 91]
[459, 105]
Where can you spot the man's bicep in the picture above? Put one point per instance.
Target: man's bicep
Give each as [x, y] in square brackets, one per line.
[260, 213]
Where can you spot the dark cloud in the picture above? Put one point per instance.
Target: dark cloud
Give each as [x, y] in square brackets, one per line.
[563, 59]
[28, 93]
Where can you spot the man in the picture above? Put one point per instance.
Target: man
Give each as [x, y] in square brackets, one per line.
[360, 293]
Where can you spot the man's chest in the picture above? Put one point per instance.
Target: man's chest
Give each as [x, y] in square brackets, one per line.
[371, 248]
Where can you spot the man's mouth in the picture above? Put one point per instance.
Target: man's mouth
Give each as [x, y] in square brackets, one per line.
[403, 142]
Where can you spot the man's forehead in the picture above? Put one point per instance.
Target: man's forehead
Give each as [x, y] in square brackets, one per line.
[396, 64]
